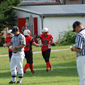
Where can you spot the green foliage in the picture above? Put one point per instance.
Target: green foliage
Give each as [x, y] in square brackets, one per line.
[7, 18]
[67, 37]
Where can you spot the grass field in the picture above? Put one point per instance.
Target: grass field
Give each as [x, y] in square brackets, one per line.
[64, 69]
[4, 50]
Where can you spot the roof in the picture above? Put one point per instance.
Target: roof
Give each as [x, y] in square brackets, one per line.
[54, 10]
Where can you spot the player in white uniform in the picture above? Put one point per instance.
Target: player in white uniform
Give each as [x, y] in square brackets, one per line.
[18, 42]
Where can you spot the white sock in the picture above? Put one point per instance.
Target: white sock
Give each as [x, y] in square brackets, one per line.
[13, 79]
[20, 80]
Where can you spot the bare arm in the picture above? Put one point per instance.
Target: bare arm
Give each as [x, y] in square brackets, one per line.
[7, 44]
[18, 47]
[35, 44]
[52, 43]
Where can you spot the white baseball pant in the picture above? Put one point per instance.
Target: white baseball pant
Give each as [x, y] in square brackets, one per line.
[17, 61]
[81, 69]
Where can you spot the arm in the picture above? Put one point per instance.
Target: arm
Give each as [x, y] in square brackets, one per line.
[35, 44]
[52, 43]
[7, 44]
[18, 47]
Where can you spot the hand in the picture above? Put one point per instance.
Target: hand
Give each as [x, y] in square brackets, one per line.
[13, 48]
[73, 48]
[5, 45]
[53, 44]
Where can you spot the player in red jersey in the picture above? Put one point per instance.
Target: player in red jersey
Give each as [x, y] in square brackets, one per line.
[7, 41]
[28, 50]
[46, 40]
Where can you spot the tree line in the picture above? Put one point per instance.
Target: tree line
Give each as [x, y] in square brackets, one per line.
[7, 14]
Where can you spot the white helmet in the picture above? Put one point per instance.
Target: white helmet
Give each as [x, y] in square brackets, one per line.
[27, 32]
[9, 31]
[45, 30]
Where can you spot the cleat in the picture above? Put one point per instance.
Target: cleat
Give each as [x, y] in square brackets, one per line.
[11, 82]
[24, 72]
[18, 82]
[47, 70]
[51, 69]
[32, 72]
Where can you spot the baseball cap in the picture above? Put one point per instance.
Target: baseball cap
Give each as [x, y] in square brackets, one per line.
[76, 23]
[15, 29]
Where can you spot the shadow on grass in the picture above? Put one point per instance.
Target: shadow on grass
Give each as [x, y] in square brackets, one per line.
[61, 69]
[41, 71]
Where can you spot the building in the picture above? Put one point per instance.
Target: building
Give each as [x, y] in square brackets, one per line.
[57, 18]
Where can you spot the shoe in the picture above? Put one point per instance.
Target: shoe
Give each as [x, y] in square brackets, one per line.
[18, 82]
[11, 82]
[32, 72]
[47, 70]
[24, 72]
[51, 69]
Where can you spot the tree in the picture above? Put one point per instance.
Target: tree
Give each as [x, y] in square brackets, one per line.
[7, 14]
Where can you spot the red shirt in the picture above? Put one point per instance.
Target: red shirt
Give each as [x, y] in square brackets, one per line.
[8, 40]
[45, 41]
[29, 41]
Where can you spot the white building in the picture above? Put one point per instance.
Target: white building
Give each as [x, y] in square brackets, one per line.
[57, 18]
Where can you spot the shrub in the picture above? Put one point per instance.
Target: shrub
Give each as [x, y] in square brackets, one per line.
[66, 37]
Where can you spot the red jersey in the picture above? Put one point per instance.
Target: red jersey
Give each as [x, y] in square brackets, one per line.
[29, 41]
[45, 41]
[8, 40]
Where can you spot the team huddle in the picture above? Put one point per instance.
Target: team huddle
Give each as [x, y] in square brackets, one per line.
[20, 45]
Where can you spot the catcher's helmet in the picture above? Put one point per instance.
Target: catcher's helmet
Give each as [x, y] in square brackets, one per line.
[45, 30]
[15, 29]
[27, 32]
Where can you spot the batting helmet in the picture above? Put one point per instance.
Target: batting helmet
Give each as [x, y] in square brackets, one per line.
[27, 32]
[45, 30]
[15, 29]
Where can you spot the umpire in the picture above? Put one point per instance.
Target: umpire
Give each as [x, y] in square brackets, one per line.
[79, 48]
[18, 42]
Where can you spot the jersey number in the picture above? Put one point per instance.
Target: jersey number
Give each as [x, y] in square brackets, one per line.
[45, 42]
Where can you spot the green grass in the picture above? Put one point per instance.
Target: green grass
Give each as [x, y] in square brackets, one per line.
[64, 70]
[4, 50]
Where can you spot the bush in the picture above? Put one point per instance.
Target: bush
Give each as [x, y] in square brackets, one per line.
[67, 37]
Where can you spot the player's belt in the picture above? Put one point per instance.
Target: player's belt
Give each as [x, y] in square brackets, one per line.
[15, 52]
